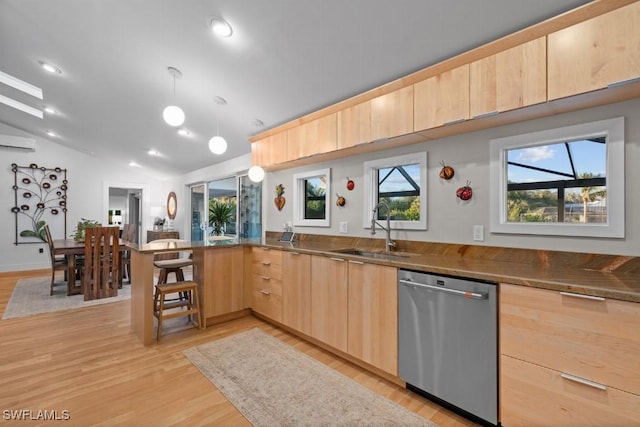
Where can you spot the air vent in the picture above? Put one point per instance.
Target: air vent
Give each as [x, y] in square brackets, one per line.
[17, 143]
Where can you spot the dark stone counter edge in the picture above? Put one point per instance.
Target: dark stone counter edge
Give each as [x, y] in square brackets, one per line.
[624, 286]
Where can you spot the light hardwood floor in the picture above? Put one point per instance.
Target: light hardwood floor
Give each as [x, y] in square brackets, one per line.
[87, 362]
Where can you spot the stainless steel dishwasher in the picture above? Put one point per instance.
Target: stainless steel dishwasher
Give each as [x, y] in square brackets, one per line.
[447, 341]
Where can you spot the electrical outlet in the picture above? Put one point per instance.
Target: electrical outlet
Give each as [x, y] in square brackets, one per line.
[478, 233]
[344, 226]
[40, 250]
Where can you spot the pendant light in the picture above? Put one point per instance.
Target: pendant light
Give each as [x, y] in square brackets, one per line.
[173, 115]
[217, 144]
[256, 173]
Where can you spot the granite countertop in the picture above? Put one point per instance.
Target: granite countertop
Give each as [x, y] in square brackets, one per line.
[157, 246]
[608, 276]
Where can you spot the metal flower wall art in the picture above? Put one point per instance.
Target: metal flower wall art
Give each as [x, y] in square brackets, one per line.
[40, 197]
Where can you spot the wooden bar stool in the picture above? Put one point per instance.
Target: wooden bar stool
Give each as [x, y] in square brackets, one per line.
[172, 266]
[192, 303]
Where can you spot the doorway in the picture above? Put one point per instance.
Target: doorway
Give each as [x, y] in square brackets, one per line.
[123, 204]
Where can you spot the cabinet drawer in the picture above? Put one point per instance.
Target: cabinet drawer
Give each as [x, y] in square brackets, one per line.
[596, 339]
[267, 262]
[268, 304]
[531, 395]
[266, 283]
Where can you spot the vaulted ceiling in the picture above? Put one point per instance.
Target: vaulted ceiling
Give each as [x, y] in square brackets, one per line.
[285, 58]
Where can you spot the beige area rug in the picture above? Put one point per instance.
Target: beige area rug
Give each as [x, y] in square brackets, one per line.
[31, 296]
[273, 384]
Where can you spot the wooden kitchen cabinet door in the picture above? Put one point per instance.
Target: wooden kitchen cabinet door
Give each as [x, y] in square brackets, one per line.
[296, 291]
[595, 53]
[510, 79]
[373, 315]
[271, 150]
[314, 137]
[441, 99]
[329, 293]
[392, 114]
[220, 274]
[354, 125]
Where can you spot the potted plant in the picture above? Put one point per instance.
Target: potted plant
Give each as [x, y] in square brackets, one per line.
[220, 213]
[83, 224]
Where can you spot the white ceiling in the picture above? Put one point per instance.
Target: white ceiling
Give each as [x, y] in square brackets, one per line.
[286, 58]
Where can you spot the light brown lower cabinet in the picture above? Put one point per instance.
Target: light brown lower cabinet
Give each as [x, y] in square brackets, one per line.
[266, 282]
[219, 274]
[349, 305]
[373, 315]
[296, 291]
[568, 359]
[531, 395]
[329, 295]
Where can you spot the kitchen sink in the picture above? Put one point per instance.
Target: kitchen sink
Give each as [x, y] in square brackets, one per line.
[371, 254]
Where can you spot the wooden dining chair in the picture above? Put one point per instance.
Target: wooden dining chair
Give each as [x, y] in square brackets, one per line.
[57, 263]
[128, 235]
[102, 275]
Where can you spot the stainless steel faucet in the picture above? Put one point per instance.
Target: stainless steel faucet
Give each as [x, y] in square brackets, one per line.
[389, 244]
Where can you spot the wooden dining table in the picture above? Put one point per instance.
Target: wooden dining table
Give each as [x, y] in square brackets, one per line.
[71, 249]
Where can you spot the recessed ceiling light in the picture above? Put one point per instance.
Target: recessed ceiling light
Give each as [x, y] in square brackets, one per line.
[134, 164]
[184, 132]
[49, 110]
[50, 67]
[52, 134]
[220, 27]
[153, 153]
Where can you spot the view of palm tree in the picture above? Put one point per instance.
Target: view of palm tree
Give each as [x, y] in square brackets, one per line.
[315, 199]
[545, 183]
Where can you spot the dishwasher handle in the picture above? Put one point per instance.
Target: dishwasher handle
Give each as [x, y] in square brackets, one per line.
[466, 294]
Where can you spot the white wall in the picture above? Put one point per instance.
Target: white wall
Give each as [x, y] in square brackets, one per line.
[450, 221]
[87, 198]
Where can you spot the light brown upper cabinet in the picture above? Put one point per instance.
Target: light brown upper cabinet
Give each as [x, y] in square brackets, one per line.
[595, 53]
[386, 116]
[511, 79]
[392, 114]
[441, 99]
[354, 125]
[314, 137]
[270, 150]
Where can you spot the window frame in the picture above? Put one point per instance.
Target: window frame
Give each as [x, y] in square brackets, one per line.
[612, 129]
[371, 188]
[299, 199]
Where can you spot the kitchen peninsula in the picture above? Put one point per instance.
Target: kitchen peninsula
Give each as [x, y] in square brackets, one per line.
[217, 268]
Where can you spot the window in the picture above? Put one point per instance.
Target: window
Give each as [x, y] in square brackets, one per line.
[310, 198]
[399, 182]
[567, 181]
